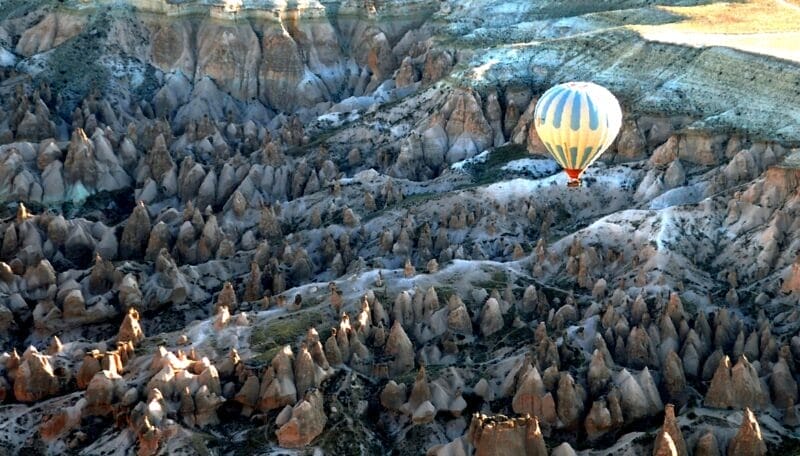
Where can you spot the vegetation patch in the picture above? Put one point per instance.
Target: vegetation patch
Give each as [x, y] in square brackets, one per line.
[12, 9]
[498, 280]
[74, 68]
[491, 170]
[112, 207]
[149, 86]
[788, 446]
[408, 202]
[267, 339]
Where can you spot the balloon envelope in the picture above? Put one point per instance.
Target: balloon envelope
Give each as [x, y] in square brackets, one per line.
[577, 122]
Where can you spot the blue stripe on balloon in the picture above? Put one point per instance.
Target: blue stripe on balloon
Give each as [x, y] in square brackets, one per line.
[573, 152]
[594, 117]
[587, 154]
[575, 123]
[562, 102]
[550, 95]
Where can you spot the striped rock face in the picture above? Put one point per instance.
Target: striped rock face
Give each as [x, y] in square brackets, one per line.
[577, 122]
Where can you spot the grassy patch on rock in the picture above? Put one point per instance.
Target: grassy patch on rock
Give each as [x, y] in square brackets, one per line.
[491, 170]
[74, 68]
[12, 9]
[498, 280]
[267, 339]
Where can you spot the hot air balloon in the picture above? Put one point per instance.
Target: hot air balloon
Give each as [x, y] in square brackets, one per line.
[577, 122]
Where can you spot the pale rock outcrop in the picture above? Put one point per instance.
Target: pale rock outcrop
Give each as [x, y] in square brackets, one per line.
[565, 449]
[160, 238]
[54, 29]
[570, 401]
[419, 404]
[62, 421]
[222, 318]
[399, 346]
[164, 381]
[424, 413]
[130, 330]
[458, 318]
[6, 319]
[707, 445]
[639, 396]
[675, 175]
[307, 373]
[736, 387]
[529, 394]
[783, 385]
[206, 405]
[307, 422]
[491, 318]
[458, 447]
[284, 81]
[670, 439]
[599, 374]
[747, 387]
[492, 435]
[277, 387]
[674, 378]
[467, 129]
[105, 390]
[598, 422]
[230, 54]
[226, 297]
[172, 46]
[35, 126]
[638, 348]
[130, 295]
[748, 441]
[437, 64]
[102, 277]
[160, 163]
[254, 289]
[136, 233]
[35, 379]
[631, 143]
[190, 177]
[494, 116]
[248, 395]
[406, 74]
[88, 368]
[664, 445]
[80, 164]
[701, 147]
[332, 351]
[791, 278]
[393, 396]
[711, 364]
[186, 407]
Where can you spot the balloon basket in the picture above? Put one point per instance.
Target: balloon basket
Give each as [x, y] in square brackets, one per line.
[573, 177]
